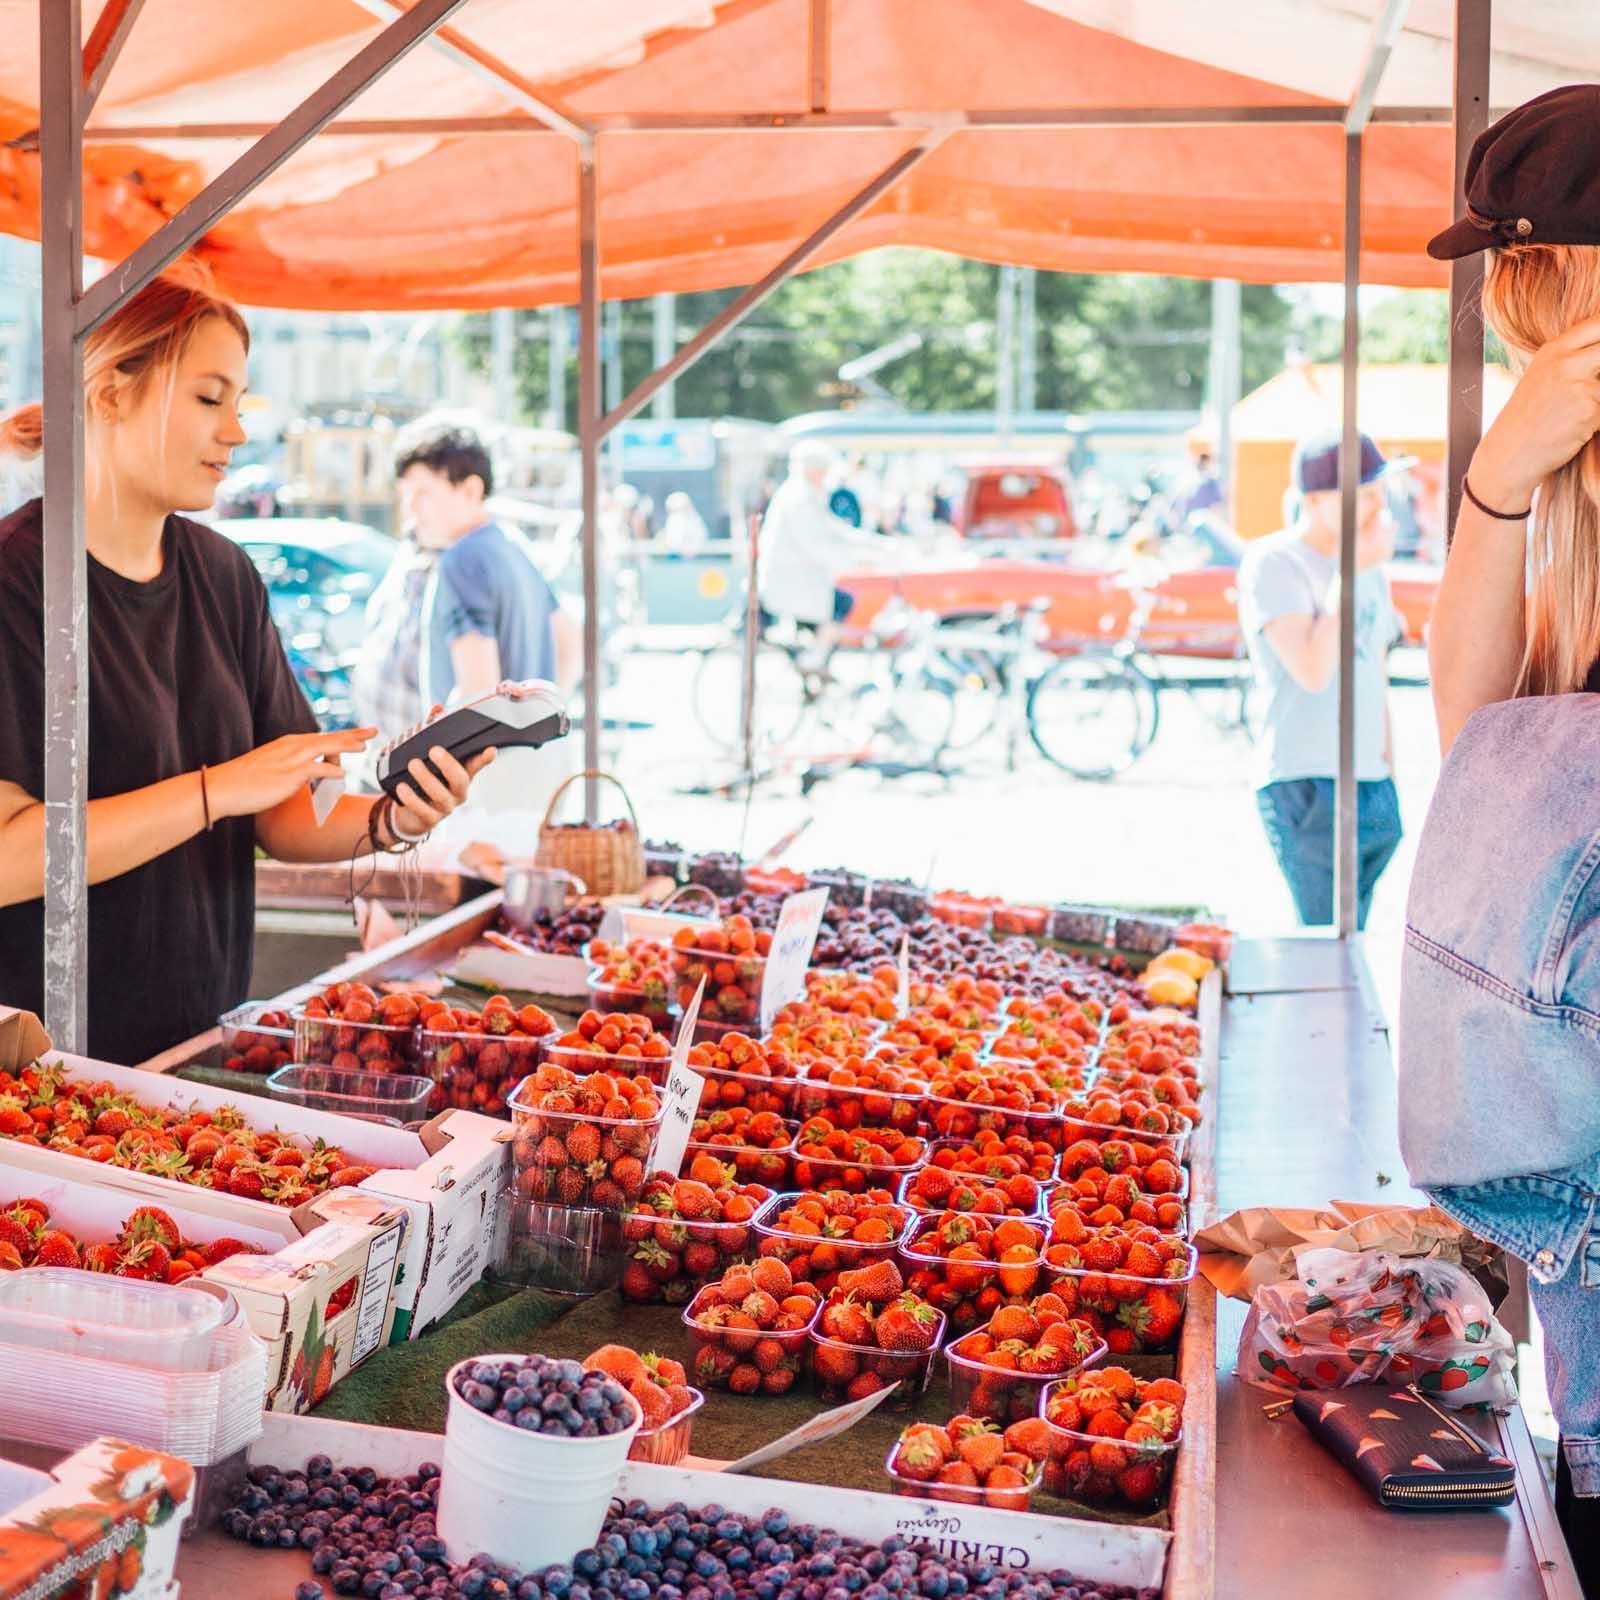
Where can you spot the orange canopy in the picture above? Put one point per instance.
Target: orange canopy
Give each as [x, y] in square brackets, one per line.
[424, 219]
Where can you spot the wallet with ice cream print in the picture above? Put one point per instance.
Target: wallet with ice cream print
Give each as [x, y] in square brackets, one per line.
[1412, 1454]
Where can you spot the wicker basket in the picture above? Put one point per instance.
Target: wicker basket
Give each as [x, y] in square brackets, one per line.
[609, 860]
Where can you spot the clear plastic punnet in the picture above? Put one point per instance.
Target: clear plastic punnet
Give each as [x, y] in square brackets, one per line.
[104, 1318]
[396, 1097]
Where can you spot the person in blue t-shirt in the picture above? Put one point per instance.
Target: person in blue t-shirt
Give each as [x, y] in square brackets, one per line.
[464, 607]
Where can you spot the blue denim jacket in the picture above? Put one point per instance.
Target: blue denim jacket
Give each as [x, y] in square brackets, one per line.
[1499, 1037]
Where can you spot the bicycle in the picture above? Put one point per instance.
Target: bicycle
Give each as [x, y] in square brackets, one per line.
[1090, 706]
[1082, 712]
[898, 716]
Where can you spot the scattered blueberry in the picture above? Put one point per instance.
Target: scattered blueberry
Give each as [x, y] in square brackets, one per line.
[375, 1539]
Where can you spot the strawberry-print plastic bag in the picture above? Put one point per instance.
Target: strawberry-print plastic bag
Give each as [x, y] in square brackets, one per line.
[1369, 1316]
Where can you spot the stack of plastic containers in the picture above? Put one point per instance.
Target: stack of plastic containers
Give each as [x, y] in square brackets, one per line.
[176, 1369]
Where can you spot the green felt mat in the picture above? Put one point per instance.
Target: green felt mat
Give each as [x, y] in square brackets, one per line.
[402, 1386]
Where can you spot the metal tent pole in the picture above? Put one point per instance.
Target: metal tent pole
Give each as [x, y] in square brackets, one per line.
[1464, 426]
[66, 577]
[69, 80]
[870, 121]
[590, 439]
[1345, 853]
[732, 315]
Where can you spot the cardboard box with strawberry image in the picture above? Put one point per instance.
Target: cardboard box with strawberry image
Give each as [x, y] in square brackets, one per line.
[105, 1523]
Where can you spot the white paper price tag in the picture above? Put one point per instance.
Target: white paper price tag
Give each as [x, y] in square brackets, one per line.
[682, 1096]
[325, 794]
[903, 996]
[793, 940]
[825, 1425]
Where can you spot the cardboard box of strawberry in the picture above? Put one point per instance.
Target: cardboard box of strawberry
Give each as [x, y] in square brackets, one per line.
[1129, 1282]
[148, 1245]
[872, 1333]
[476, 1058]
[748, 1330]
[968, 1265]
[1113, 1437]
[685, 1232]
[1000, 1370]
[969, 1461]
[584, 1141]
[43, 1107]
[819, 1235]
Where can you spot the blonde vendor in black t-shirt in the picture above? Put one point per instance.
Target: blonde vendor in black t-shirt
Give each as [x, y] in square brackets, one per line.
[201, 745]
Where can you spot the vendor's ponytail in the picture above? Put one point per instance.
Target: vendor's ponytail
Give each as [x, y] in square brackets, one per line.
[22, 432]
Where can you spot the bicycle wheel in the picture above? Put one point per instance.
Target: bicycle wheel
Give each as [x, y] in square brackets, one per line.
[975, 689]
[780, 701]
[1091, 716]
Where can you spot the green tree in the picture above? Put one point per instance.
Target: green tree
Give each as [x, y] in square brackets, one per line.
[1410, 325]
[1104, 342]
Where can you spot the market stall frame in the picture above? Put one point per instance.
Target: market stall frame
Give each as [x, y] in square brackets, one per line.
[69, 82]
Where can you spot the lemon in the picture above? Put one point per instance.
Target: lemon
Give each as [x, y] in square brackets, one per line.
[1189, 962]
[1172, 989]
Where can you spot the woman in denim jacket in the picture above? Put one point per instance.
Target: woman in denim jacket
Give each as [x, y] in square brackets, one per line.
[1499, 1046]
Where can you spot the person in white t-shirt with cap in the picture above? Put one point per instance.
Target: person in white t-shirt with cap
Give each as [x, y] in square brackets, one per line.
[1289, 610]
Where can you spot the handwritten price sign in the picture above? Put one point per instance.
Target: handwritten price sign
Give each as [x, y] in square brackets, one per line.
[682, 1096]
[793, 940]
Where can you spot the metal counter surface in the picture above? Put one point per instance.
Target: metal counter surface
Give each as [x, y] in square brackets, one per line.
[1307, 1115]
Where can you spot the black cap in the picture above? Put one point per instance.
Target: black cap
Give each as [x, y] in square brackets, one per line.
[1314, 467]
[1533, 177]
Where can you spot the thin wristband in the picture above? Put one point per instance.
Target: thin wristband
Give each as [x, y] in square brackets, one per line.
[1489, 511]
[205, 797]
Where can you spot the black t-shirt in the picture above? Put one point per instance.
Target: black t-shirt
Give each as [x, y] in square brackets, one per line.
[183, 670]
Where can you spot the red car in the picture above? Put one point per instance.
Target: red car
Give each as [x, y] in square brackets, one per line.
[1019, 502]
[1195, 610]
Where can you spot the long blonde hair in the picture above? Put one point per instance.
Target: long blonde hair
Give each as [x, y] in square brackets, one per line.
[1532, 294]
[139, 344]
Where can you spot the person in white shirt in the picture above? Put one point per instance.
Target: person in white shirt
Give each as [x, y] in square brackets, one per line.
[684, 529]
[804, 548]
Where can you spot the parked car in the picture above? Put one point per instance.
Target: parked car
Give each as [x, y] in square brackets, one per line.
[1016, 502]
[1196, 610]
[319, 573]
